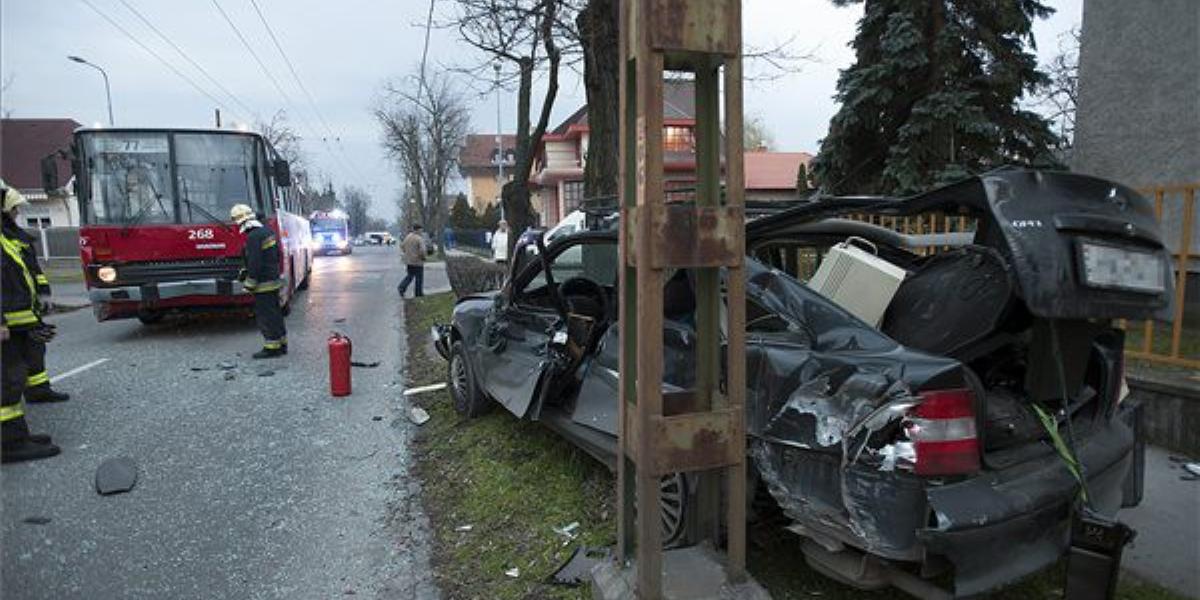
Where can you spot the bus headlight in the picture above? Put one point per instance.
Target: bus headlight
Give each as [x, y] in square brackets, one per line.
[342, 244]
[106, 274]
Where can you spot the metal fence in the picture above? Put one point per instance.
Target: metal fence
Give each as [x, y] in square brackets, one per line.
[1176, 342]
[57, 242]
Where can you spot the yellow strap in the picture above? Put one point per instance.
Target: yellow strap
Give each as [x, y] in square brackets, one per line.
[42, 279]
[38, 379]
[268, 286]
[8, 413]
[13, 250]
[269, 345]
[20, 318]
[268, 243]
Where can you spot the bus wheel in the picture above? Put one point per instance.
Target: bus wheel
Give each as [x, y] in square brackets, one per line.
[303, 285]
[149, 317]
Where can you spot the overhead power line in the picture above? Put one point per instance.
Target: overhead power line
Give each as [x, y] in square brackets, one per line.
[249, 111]
[157, 56]
[278, 87]
[303, 88]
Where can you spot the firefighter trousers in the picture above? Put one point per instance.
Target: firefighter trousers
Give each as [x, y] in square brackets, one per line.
[37, 376]
[18, 353]
[269, 316]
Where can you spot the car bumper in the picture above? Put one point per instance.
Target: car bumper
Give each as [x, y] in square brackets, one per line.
[1002, 526]
[153, 292]
[441, 340]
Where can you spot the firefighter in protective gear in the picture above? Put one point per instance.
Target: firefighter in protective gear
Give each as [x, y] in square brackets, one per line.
[263, 264]
[22, 326]
[37, 385]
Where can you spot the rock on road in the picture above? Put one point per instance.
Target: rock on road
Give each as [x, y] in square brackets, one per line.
[262, 486]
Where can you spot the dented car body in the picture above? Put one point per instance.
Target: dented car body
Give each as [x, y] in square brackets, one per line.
[918, 442]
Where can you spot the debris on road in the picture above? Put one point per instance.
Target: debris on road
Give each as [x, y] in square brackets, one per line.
[201, 368]
[377, 418]
[418, 415]
[577, 568]
[567, 531]
[513, 572]
[226, 365]
[266, 373]
[365, 365]
[230, 375]
[36, 520]
[1193, 468]
[464, 528]
[425, 388]
[116, 475]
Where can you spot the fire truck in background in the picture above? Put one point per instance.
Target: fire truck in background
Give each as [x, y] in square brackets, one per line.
[330, 232]
[156, 235]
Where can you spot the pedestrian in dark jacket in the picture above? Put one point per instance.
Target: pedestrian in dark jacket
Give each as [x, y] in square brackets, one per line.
[263, 261]
[22, 326]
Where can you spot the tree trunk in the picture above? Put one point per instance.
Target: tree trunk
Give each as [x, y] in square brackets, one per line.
[598, 28]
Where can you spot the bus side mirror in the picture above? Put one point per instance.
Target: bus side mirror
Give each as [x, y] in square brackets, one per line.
[283, 173]
[50, 173]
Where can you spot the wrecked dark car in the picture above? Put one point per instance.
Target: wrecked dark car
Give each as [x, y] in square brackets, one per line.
[925, 443]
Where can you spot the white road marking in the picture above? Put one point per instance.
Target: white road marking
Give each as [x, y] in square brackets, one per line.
[78, 370]
[425, 388]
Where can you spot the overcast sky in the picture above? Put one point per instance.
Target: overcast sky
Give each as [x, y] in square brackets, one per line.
[342, 50]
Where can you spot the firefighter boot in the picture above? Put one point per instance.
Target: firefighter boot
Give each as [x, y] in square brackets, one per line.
[27, 449]
[43, 394]
[270, 353]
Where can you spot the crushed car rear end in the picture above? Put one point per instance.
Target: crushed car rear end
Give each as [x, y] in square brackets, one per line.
[930, 454]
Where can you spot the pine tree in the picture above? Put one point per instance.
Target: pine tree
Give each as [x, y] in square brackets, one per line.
[802, 186]
[934, 96]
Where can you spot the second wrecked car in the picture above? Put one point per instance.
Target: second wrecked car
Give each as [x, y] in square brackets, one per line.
[925, 442]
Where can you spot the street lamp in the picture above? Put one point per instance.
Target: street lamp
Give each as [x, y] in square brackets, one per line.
[107, 91]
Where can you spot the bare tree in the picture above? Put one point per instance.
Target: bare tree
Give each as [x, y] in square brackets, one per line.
[527, 37]
[600, 38]
[1059, 98]
[755, 135]
[283, 137]
[357, 204]
[423, 132]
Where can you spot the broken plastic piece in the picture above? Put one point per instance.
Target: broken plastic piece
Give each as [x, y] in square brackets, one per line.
[1193, 468]
[418, 415]
[513, 572]
[116, 475]
[567, 531]
[464, 528]
[577, 568]
[365, 365]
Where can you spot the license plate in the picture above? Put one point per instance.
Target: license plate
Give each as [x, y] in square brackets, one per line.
[1120, 268]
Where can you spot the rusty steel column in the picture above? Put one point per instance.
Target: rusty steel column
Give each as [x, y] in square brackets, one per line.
[700, 431]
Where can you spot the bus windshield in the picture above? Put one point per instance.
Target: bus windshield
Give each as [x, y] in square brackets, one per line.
[130, 178]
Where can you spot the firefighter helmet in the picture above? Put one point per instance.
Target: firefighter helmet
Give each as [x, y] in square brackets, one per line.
[241, 213]
[12, 198]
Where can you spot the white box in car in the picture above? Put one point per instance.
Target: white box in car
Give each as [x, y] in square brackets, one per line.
[858, 281]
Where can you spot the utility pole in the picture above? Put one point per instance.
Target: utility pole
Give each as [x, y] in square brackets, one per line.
[217, 116]
[499, 142]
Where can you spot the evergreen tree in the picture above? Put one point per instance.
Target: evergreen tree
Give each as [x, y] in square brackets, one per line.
[934, 96]
[802, 186]
[462, 216]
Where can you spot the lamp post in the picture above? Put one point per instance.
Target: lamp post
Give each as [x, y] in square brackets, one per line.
[107, 91]
[499, 141]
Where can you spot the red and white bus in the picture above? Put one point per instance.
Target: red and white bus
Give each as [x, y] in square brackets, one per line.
[156, 235]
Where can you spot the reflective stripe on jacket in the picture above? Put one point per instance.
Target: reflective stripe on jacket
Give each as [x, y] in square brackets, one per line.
[20, 298]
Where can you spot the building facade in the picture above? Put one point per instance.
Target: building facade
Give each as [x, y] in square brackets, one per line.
[23, 145]
[479, 168]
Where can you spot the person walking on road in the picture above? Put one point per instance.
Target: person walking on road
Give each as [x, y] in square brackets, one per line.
[500, 242]
[263, 265]
[22, 327]
[412, 251]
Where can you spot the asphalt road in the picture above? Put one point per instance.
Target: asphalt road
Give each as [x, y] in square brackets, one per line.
[263, 486]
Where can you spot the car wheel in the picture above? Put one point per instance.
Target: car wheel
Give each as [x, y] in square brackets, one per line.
[468, 401]
[150, 317]
[673, 502]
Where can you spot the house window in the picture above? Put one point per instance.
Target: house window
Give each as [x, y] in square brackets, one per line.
[38, 222]
[678, 139]
[572, 196]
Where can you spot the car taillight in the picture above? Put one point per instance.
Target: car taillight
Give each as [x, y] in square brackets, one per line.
[942, 429]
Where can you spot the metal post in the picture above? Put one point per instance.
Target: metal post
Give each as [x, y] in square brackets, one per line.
[699, 431]
[499, 141]
[45, 242]
[107, 90]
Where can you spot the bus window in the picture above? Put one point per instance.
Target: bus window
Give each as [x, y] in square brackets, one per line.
[215, 172]
[129, 179]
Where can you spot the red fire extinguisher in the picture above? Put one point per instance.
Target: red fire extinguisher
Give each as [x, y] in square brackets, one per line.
[340, 349]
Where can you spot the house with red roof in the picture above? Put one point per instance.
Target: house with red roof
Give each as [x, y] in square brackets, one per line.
[23, 145]
[478, 164]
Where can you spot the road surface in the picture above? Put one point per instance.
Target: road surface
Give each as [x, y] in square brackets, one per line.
[262, 486]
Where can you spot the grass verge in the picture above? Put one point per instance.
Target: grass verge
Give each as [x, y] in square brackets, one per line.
[512, 482]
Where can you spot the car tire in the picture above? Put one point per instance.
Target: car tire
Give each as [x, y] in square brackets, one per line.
[674, 500]
[468, 400]
[150, 317]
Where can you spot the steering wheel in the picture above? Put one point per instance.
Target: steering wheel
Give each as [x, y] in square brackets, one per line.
[585, 297]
